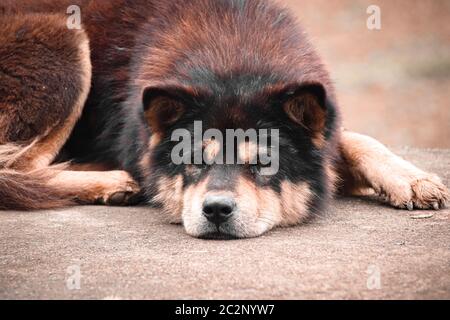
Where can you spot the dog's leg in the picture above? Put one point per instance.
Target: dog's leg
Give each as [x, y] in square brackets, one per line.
[366, 163]
[96, 183]
[41, 94]
[101, 167]
[96, 187]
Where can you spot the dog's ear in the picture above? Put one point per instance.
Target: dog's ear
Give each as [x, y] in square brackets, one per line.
[306, 106]
[162, 107]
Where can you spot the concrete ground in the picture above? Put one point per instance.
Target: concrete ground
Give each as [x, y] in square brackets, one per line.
[359, 249]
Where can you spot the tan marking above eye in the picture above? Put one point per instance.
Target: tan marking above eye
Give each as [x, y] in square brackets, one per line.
[211, 150]
[248, 152]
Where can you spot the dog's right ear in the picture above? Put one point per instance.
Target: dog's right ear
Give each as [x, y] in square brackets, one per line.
[162, 107]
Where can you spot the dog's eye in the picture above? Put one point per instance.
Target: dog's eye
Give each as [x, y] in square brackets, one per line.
[256, 168]
[201, 167]
[256, 172]
[194, 170]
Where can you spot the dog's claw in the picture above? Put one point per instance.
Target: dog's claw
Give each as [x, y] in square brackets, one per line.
[435, 206]
[410, 206]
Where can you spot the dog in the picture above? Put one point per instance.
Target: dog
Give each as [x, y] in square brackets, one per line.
[87, 115]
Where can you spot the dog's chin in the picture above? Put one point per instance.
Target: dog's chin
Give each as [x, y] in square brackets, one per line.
[209, 231]
[218, 236]
[227, 231]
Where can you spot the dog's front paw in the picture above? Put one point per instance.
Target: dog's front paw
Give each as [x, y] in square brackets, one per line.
[417, 192]
[120, 189]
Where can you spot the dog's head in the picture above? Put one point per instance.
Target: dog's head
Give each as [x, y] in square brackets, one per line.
[241, 115]
[238, 165]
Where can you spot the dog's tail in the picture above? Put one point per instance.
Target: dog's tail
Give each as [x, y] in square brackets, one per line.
[30, 190]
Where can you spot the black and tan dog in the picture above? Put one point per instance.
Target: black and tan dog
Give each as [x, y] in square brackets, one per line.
[108, 96]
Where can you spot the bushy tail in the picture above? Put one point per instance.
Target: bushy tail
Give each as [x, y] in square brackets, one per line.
[30, 190]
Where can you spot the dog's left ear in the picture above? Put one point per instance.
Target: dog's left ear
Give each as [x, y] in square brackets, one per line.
[306, 106]
[162, 107]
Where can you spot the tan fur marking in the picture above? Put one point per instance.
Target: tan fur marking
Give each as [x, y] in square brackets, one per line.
[145, 161]
[318, 140]
[269, 206]
[195, 195]
[248, 152]
[259, 209]
[170, 194]
[211, 149]
[193, 198]
[264, 203]
[294, 200]
[155, 140]
[247, 196]
[333, 179]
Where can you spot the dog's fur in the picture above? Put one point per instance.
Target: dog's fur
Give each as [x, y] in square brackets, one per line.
[107, 97]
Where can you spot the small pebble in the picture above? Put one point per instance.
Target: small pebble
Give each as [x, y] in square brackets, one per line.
[423, 216]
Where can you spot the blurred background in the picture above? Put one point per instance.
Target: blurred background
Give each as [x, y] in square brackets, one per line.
[393, 83]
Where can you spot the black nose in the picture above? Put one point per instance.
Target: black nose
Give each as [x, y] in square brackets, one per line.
[218, 208]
